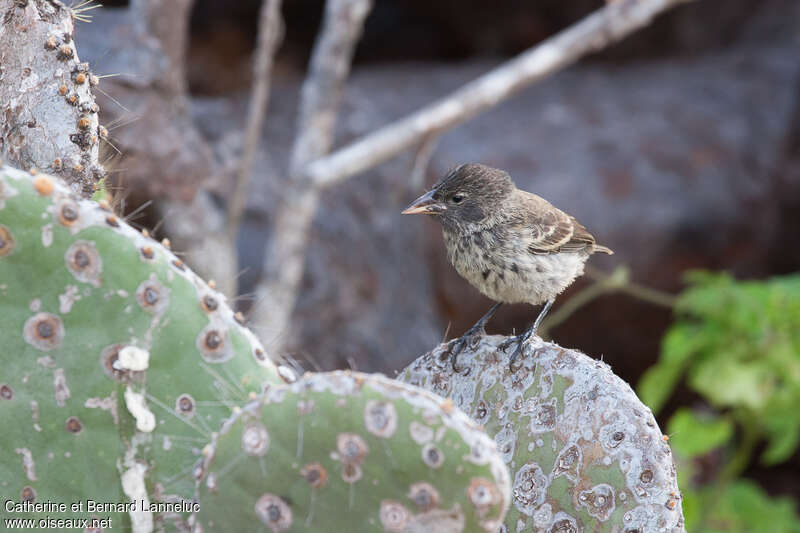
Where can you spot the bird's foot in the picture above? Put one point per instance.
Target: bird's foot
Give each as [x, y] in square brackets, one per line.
[469, 338]
[520, 341]
[472, 335]
[524, 337]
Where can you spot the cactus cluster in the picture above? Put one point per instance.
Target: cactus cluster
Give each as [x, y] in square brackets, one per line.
[129, 380]
[118, 360]
[584, 453]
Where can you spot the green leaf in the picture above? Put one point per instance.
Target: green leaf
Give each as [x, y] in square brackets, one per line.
[660, 380]
[754, 511]
[692, 434]
[729, 383]
[782, 444]
[656, 385]
[741, 507]
[692, 503]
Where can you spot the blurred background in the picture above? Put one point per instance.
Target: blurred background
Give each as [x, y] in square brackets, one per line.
[678, 147]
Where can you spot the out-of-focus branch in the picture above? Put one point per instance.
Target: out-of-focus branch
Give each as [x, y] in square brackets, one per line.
[321, 95]
[623, 283]
[617, 281]
[48, 115]
[270, 33]
[310, 172]
[323, 88]
[609, 24]
[421, 161]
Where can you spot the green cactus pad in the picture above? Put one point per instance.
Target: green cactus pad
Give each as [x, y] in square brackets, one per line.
[344, 451]
[584, 453]
[118, 361]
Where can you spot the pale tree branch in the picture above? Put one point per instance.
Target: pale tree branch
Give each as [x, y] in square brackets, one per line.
[270, 33]
[610, 24]
[618, 281]
[323, 89]
[310, 172]
[422, 159]
[320, 99]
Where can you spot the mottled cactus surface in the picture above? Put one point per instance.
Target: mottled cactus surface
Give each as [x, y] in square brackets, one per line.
[118, 362]
[50, 118]
[349, 452]
[585, 454]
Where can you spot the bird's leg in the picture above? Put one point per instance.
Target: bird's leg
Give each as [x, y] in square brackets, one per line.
[523, 338]
[475, 331]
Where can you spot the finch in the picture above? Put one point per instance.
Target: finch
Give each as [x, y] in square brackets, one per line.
[511, 245]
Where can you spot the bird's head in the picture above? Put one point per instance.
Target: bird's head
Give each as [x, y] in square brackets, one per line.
[467, 195]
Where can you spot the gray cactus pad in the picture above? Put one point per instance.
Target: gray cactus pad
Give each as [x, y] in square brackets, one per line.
[584, 453]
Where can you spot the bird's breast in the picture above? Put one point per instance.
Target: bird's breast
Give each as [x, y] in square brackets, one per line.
[499, 265]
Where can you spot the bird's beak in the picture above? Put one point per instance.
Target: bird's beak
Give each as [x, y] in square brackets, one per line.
[425, 205]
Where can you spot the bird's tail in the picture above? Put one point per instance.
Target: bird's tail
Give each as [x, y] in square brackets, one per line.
[603, 249]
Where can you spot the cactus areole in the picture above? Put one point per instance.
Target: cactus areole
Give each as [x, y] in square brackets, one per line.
[116, 370]
[584, 453]
[134, 399]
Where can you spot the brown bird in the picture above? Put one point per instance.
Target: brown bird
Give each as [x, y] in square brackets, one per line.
[513, 246]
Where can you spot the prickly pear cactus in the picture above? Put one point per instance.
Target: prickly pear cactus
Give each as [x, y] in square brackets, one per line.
[118, 362]
[50, 118]
[351, 452]
[121, 366]
[584, 453]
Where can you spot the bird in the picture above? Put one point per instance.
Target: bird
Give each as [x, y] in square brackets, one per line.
[510, 244]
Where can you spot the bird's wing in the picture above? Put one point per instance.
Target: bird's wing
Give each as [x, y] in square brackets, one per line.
[550, 230]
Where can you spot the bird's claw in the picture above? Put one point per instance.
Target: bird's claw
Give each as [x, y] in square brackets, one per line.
[506, 343]
[515, 355]
[460, 343]
[520, 341]
[454, 351]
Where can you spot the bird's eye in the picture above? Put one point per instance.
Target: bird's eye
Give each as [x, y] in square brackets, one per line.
[457, 198]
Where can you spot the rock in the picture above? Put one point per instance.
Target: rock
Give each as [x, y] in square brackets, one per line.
[144, 106]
